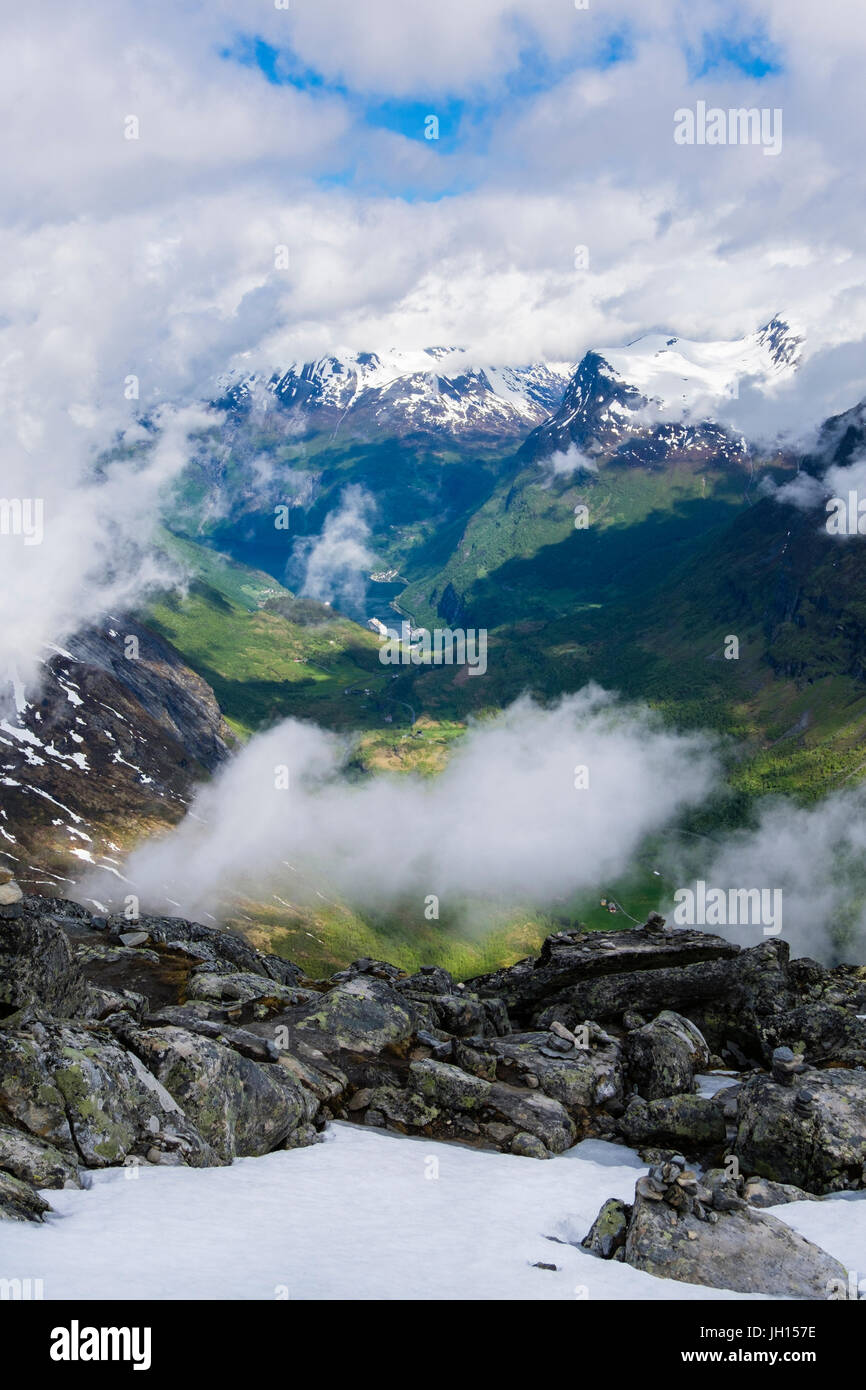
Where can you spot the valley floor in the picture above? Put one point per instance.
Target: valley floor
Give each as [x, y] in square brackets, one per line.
[358, 1217]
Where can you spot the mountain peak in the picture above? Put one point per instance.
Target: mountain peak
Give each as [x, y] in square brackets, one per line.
[433, 390]
[665, 391]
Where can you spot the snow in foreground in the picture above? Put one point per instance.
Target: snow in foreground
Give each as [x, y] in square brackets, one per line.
[364, 1215]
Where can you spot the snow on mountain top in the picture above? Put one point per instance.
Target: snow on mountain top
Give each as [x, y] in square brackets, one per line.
[438, 387]
[681, 373]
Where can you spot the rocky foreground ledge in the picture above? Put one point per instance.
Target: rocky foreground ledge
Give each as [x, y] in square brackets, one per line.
[168, 1042]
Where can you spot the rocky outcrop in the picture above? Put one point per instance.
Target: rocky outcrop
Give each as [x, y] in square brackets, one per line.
[111, 740]
[241, 1108]
[600, 975]
[123, 1043]
[682, 1228]
[811, 1133]
[162, 1041]
[37, 964]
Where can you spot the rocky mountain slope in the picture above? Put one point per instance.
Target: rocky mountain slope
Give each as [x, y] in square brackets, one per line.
[108, 747]
[160, 1041]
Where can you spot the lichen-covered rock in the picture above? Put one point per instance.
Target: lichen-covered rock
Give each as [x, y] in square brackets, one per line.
[243, 987]
[33, 1161]
[37, 967]
[214, 945]
[608, 1231]
[599, 975]
[242, 1108]
[529, 1146]
[818, 1032]
[663, 1057]
[407, 1110]
[447, 1087]
[451, 1007]
[536, 1114]
[745, 1250]
[686, 1121]
[19, 1201]
[364, 1016]
[584, 1079]
[81, 1092]
[811, 1134]
[761, 1192]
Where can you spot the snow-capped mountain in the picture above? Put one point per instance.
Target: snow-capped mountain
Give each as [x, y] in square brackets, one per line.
[437, 390]
[660, 395]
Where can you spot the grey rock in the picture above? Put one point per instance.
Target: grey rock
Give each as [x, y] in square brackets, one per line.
[663, 1057]
[19, 1201]
[820, 1147]
[746, 1250]
[529, 1146]
[364, 1016]
[33, 1161]
[608, 1231]
[761, 1192]
[681, 1120]
[37, 967]
[241, 1108]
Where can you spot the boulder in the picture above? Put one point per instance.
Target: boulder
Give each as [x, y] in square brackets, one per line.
[33, 1161]
[243, 987]
[818, 1032]
[443, 1101]
[82, 1093]
[525, 1145]
[599, 975]
[585, 1080]
[19, 1201]
[38, 968]
[748, 1251]
[699, 1231]
[241, 1108]
[535, 1114]
[447, 1087]
[608, 1231]
[761, 1192]
[662, 1057]
[363, 1017]
[686, 1121]
[812, 1135]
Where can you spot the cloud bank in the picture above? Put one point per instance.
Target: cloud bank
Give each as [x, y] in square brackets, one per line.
[509, 820]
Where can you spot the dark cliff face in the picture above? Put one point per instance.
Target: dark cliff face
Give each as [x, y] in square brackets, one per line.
[108, 746]
[606, 417]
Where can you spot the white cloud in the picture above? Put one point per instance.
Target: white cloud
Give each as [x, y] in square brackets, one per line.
[503, 823]
[335, 564]
[814, 855]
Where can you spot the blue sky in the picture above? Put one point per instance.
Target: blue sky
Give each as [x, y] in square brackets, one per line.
[464, 122]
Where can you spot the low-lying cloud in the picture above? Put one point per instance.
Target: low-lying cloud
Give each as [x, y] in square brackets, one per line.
[534, 805]
[814, 856]
[336, 563]
[564, 462]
